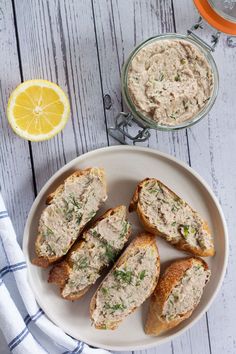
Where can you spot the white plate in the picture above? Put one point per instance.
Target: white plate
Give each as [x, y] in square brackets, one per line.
[125, 166]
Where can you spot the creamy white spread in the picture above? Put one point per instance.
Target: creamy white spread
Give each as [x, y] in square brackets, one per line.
[126, 287]
[71, 209]
[101, 245]
[170, 81]
[172, 216]
[187, 294]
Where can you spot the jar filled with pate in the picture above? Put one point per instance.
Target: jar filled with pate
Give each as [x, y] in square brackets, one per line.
[170, 81]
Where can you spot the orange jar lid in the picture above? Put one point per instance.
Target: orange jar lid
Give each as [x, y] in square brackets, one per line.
[218, 17]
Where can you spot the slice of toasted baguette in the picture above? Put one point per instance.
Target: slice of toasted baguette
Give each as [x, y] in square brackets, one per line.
[101, 244]
[70, 207]
[130, 282]
[165, 214]
[165, 312]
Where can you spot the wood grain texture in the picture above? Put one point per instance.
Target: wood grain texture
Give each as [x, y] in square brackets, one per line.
[82, 45]
[120, 26]
[15, 167]
[57, 42]
[212, 146]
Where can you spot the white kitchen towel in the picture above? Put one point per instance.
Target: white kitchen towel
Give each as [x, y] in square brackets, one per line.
[26, 328]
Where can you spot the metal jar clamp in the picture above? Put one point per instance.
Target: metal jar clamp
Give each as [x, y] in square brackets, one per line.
[125, 120]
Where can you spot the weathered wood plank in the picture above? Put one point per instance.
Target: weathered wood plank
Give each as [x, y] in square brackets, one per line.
[15, 172]
[119, 27]
[53, 37]
[57, 42]
[212, 146]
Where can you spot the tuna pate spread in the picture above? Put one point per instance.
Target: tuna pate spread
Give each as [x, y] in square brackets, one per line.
[170, 81]
[172, 216]
[101, 245]
[126, 287]
[71, 209]
[186, 295]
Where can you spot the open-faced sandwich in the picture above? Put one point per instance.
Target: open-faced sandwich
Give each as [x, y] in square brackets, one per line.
[164, 213]
[99, 247]
[130, 282]
[177, 294]
[70, 207]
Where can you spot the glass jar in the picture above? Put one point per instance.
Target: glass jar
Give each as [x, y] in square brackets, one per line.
[123, 120]
[149, 122]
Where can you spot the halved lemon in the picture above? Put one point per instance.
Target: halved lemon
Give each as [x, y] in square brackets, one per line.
[37, 110]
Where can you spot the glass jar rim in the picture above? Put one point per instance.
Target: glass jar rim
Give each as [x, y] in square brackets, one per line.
[148, 122]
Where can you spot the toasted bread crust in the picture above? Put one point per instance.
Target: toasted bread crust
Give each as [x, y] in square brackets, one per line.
[181, 244]
[60, 273]
[45, 262]
[143, 240]
[155, 324]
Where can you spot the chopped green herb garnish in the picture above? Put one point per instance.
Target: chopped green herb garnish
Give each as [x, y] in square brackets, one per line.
[198, 267]
[47, 232]
[49, 248]
[68, 214]
[103, 326]
[173, 223]
[110, 253]
[114, 307]
[186, 230]
[174, 208]
[173, 116]
[118, 307]
[153, 190]
[82, 263]
[50, 232]
[177, 78]
[183, 61]
[71, 207]
[142, 274]
[71, 282]
[94, 233]
[161, 77]
[124, 276]
[104, 291]
[125, 227]
[74, 202]
[78, 218]
[91, 214]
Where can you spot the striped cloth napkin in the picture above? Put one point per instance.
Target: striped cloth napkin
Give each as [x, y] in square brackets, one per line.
[25, 327]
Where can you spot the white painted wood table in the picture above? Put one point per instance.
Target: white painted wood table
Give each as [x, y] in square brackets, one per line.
[82, 45]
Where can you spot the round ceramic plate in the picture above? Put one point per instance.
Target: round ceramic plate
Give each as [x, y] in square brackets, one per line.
[125, 166]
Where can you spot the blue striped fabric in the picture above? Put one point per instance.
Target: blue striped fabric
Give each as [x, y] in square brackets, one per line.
[77, 350]
[33, 318]
[18, 339]
[12, 268]
[3, 214]
[18, 331]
